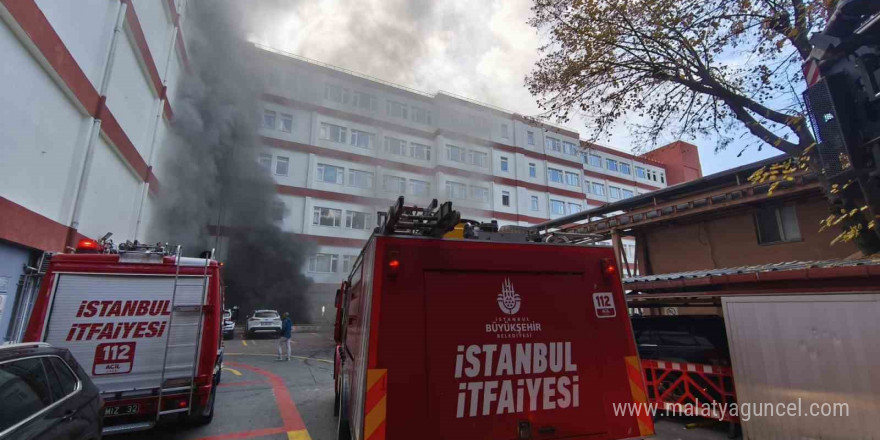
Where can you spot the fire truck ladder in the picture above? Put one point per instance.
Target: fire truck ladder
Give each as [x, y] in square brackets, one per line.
[184, 334]
[431, 221]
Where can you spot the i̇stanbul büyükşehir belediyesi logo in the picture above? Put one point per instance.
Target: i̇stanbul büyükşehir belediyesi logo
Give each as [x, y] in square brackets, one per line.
[508, 299]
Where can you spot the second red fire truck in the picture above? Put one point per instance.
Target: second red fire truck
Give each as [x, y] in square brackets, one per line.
[143, 322]
[463, 332]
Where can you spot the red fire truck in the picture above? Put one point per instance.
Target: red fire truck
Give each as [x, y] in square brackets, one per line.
[455, 330]
[144, 323]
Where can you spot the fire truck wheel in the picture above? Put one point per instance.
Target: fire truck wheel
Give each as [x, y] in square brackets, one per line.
[207, 413]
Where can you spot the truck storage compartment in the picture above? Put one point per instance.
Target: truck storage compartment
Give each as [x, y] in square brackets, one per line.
[511, 351]
[117, 326]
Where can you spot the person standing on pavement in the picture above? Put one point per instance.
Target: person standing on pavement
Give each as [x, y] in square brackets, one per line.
[284, 337]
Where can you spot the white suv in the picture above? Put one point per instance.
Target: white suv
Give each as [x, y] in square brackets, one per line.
[264, 321]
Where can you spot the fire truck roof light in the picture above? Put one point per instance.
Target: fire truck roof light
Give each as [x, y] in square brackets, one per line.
[88, 245]
[394, 264]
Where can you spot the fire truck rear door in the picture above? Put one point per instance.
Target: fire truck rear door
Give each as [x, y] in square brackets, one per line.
[512, 350]
[123, 349]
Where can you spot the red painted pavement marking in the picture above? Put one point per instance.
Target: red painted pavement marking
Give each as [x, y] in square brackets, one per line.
[289, 415]
[244, 383]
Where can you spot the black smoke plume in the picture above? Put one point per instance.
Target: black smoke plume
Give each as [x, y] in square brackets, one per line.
[214, 193]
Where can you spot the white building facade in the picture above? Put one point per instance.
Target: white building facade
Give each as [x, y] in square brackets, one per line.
[86, 99]
[342, 146]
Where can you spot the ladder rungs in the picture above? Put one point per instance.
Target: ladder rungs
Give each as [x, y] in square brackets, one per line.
[175, 389]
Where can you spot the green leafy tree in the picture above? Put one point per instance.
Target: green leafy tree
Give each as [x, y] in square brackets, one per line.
[686, 67]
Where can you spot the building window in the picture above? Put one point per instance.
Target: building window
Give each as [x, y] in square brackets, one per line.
[574, 208]
[455, 190]
[479, 193]
[266, 161]
[419, 151]
[640, 172]
[505, 198]
[357, 220]
[419, 187]
[333, 133]
[394, 184]
[613, 192]
[569, 148]
[395, 146]
[573, 179]
[336, 94]
[553, 144]
[587, 186]
[396, 109]
[662, 178]
[554, 175]
[362, 139]
[360, 179]
[278, 210]
[533, 203]
[479, 159]
[624, 168]
[326, 217]
[323, 263]
[456, 154]
[557, 207]
[504, 132]
[777, 225]
[286, 122]
[504, 165]
[530, 135]
[611, 164]
[421, 115]
[598, 189]
[269, 119]
[346, 262]
[533, 170]
[364, 101]
[330, 174]
[595, 161]
[281, 165]
[626, 193]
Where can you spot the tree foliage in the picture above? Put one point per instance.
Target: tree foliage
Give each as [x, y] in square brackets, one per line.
[681, 67]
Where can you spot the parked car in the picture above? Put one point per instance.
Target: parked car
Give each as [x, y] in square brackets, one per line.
[699, 339]
[45, 394]
[228, 325]
[264, 321]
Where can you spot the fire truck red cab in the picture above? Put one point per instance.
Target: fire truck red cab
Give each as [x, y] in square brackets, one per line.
[143, 323]
[488, 336]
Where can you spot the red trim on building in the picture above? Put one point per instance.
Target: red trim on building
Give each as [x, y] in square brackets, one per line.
[32, 21]
[28, 228]
[605, 149]
[181, 48]
[46, 40]
[169, 115]
[140, 40]
[322, 240]
[114, 132]
[621, 180]
[172, 9]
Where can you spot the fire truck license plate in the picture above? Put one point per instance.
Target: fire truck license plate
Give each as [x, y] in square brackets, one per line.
[122, 410]
[113, 358]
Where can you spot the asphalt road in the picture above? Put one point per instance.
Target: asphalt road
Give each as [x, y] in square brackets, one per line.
[261, 398]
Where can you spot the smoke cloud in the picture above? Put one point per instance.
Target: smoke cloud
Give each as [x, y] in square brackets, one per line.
[215, 195]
